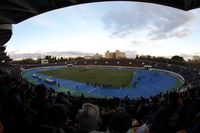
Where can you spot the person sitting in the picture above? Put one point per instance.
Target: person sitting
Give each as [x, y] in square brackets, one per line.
[120, 123]
[88, 118]
[58, 116]
[1, 128]
[39, 104]
[168, 118]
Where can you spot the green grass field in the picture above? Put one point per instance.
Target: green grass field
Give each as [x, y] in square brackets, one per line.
[106, 76]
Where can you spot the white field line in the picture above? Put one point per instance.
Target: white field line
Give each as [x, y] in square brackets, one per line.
[91, 90]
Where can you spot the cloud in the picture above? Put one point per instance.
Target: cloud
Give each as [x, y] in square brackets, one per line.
[189, 56]
[17, 55]
[68, 53]
[137, 42]
[153, 21]
[182, 33]
[140, 40]
[197, 53]
[131, 54]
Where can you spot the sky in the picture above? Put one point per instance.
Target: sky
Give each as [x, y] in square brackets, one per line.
[86, 29]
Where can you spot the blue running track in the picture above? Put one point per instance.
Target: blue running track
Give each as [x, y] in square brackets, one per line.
[146, 83]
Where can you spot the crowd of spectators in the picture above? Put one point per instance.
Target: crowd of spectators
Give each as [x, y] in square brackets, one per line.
[28, 108]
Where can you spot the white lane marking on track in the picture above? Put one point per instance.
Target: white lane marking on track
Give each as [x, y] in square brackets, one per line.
[91, 90]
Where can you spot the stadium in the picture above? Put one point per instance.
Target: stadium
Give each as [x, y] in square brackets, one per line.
[94, 93]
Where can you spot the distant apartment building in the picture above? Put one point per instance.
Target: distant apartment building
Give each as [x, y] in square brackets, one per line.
[115, 55]
[96, 56]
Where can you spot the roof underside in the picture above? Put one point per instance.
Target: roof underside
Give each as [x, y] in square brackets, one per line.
[15, 11]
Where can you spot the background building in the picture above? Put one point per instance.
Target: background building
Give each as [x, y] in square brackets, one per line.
[115, 55]
[44, 61]
[96, 56]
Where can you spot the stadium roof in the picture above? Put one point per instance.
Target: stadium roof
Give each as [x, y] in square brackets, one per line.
[16, 11]
[2, 49]
[2, 54]
[5, 58]
[5, 33]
